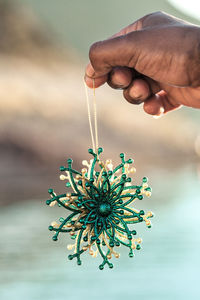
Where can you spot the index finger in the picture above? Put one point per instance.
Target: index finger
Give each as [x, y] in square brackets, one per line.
[90, 75]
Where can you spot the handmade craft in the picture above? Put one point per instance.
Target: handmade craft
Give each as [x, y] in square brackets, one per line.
[102, 215]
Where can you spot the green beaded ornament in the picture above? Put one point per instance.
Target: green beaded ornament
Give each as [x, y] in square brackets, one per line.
[102, 215]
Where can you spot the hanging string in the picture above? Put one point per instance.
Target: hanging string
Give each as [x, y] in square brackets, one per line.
[95, 117]
[89, 116]
[95, 142]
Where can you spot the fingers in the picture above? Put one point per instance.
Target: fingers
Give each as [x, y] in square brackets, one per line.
[156, 103]
[159, 104]
[90, 74]
[120, 77]
[137, 92]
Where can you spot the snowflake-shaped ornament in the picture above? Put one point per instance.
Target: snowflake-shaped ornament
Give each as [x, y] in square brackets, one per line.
[101, 208]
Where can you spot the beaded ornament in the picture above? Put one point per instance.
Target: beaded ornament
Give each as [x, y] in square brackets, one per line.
[101, 205]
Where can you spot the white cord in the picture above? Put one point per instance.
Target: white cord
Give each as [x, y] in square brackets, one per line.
[94, 142]
[95, 117]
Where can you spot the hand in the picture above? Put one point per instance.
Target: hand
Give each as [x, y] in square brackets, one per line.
[155, 60]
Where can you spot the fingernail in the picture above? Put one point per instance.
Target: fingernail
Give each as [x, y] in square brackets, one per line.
[160, 114]
[137, 102]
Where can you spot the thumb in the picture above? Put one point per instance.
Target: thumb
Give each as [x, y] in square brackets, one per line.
[118, 51]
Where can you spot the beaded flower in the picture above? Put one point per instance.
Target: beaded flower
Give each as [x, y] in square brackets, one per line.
[102, 215]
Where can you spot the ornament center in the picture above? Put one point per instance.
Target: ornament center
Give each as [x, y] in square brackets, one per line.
[104, 209]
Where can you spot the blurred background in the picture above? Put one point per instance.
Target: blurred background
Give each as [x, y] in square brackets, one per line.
[43, 121]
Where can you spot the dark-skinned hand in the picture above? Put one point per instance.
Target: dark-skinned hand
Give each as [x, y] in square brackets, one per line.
[155, 60]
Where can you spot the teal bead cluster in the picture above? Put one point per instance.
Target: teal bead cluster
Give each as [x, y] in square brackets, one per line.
[100, 204]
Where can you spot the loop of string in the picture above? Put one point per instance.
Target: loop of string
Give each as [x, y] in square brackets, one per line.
[94, 141]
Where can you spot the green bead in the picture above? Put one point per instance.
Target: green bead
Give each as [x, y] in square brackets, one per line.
[145, 179]
[121, 155]
[104, 209]
[128, 179]
[120, 201]
[61, 219]
[142, 212]
[93, 238]
[111, 244]
[110, 173]
[100, 150]
[101, 267]
[124, 176]
[148, 189]
[140, 197]
[98, 242]
[62, 168]
[134, 232]
[68, 184]
[50, 228]
[130, 161]
[131, 254]
[54, 238]
[130, 237]
[50, 191]
[70, 257]
[117, 244]
[78, 262]
[110, 266]
[138, 247]
[140, 219]
[121, 212]
[90, 151]
[48, 202]
[69, 161]
[83, 226]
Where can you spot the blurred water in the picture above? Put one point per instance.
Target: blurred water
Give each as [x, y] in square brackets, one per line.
[32, 266]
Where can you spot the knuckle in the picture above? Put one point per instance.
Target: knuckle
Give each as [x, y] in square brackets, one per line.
[130, 99]
[93, 52]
